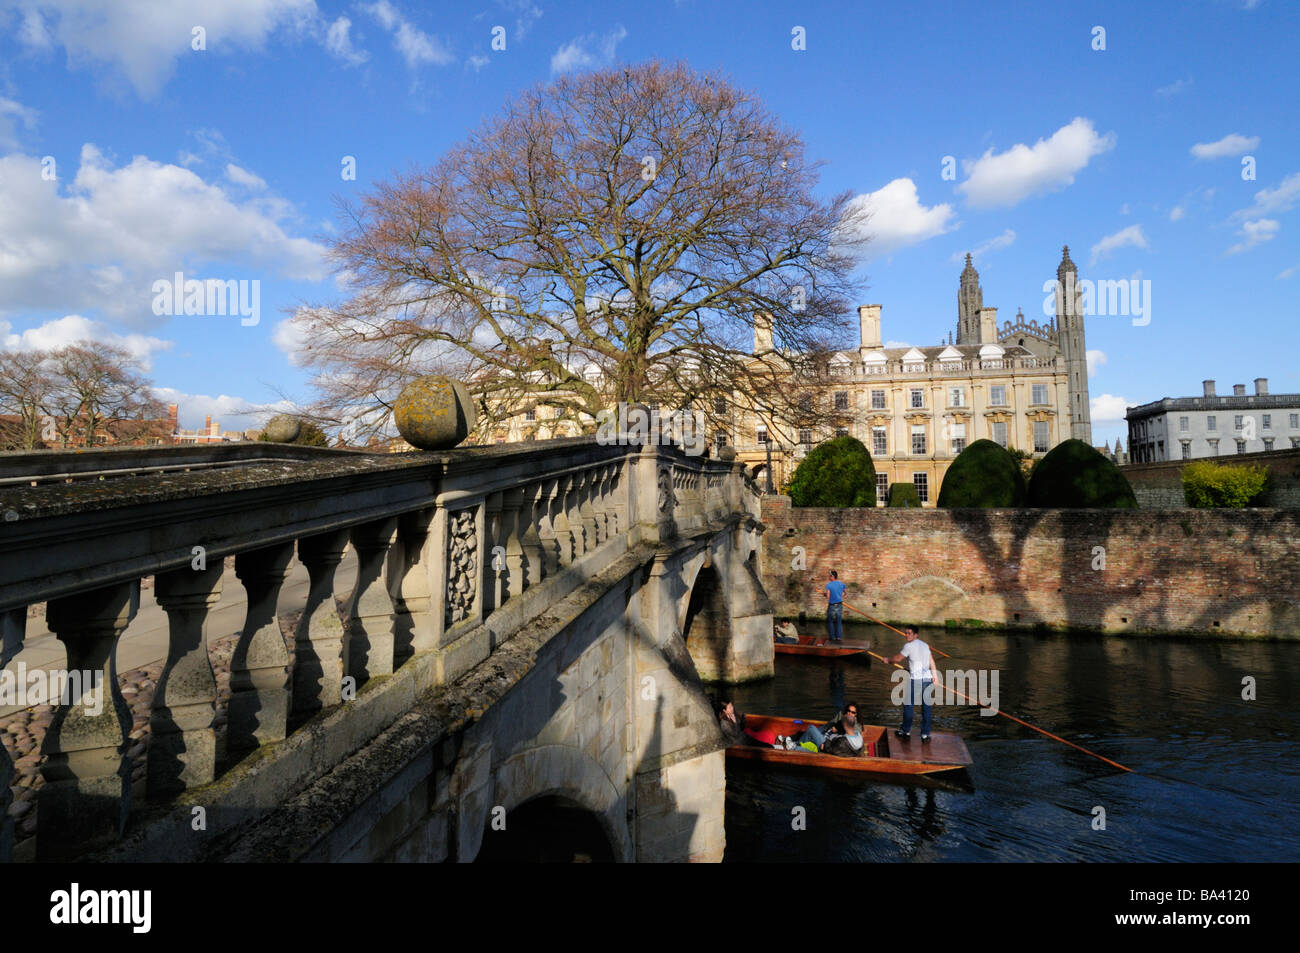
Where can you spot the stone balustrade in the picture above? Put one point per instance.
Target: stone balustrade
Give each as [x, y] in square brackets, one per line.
[448, 545]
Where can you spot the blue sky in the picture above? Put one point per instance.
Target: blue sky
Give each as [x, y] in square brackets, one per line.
[225, 162]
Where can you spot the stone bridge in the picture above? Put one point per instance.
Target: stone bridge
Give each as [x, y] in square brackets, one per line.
[514, 670]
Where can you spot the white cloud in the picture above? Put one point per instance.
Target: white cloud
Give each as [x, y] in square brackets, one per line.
[1107, 408]
[338, 40]
[1176, 213]
[142, 40]
[291, 337]
[526, 14]
[1233, 144]
[1293, 270]
[233, 413]
[245, 178]
[73, 329]
[587, 52]
[1123, 238]
[1023, 171]
[992, 245]
[11, 114]
[101, 242]
[1174, 88]
[1255, 233]
[417, 47]
[478, 62]
[898, 218]
[1095, 360]
[1268, 201]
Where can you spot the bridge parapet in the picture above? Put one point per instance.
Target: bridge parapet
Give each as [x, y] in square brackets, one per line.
[455, 552]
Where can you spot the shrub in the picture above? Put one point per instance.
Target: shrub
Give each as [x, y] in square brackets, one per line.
[1074, 475]
[985, 474]
[904, 494]
[1207, 484]
[837, 472]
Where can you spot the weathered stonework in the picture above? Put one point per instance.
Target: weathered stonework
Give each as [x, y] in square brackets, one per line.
[462, 563]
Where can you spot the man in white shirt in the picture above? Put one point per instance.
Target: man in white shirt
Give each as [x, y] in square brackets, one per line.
[920, 663]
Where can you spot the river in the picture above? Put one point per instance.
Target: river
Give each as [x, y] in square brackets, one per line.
[1216, 777]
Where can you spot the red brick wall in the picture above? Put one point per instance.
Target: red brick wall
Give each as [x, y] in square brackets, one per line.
[1211, 572]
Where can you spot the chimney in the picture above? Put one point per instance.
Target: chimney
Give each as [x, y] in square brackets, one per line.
[762, 332]
[1238, 390]
[1261, 386]
[988, 325]
[869, 326]
[1208, 388]
[173, 412]
[207, 424]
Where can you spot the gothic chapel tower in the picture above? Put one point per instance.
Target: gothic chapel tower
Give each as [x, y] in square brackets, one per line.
[970, 299]
[1069, 332]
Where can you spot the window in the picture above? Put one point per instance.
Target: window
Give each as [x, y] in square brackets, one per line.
[878, 402]
[1040, 436]
[879, 445]
[918, 397]
[956, 397]
[918, 438]
[1268, 422]
[1241, 446]
[1187, 449]
[1236, 422]
[1211, 422]
[841, 400]
[1268, 443]
[1295, 443]
[805, 436]
[805, 404]
[719, 407]
[922, 483]
[841, 431]
[1295, 421]
[882, 486]
[530, 413]
[1039, 394]
[1214, 447]
[719, 440]
[1160, 449]
[1182, 424]
[958, 434]
[998, 395]
[762, 435]
[1000, 432]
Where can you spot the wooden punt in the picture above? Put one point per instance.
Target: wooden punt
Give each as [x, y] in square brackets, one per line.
[823, 651]
[891, 756]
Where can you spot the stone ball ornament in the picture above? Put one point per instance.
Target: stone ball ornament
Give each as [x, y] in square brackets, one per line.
[283, 428]
[434, 413]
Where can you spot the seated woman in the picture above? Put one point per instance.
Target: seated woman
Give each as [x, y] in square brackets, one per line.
[733, 727]
[842, 736]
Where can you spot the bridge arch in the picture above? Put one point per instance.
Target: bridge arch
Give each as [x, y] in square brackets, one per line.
[562, 776]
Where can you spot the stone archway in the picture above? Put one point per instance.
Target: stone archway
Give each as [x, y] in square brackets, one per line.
[547, 829]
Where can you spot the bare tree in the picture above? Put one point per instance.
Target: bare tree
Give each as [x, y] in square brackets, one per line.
[25, 386]
[610, 237]
[97, 386]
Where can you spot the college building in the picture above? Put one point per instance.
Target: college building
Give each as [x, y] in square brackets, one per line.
[1189, 428]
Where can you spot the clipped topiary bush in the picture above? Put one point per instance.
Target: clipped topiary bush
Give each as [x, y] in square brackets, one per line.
[985, 474]
[904, 494]
[1207, 485]
[1074, 475]
[837, 472]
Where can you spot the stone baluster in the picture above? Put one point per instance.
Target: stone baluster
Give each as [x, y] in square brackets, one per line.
[587, 511]
[13, 626]
[560, 520]
[494, 566]
[368, 647]
[598, 501]
[183, 742]
[87, 792]
[259, 667]
[618, 501]
[607, 501]
[318, 643]
[531, 518]
[410, 586]
[573, 510]
[512, 507]
[550, 542]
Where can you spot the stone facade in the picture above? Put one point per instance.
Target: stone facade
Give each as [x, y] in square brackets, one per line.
[1220, 572]
[1191, 428]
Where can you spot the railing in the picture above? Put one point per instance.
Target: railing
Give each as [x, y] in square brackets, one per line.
[443, 542]
[913, 368]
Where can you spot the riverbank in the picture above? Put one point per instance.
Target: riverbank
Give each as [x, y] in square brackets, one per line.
[1216, 573]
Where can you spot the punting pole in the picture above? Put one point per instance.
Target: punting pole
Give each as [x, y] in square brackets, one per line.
[999, 711]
